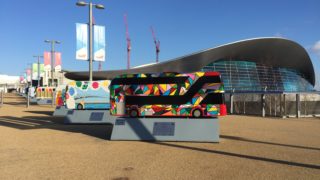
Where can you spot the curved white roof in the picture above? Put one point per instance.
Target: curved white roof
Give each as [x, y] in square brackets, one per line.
[276, 52]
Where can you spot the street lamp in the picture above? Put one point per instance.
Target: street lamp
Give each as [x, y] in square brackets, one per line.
[53, 42]
[98, 6]
[38, 56]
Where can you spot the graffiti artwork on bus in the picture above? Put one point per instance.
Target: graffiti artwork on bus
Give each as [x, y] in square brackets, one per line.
[198, 94]
[87, 95]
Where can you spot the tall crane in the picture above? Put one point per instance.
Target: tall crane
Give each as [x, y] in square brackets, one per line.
[156, 43]
[128, 41]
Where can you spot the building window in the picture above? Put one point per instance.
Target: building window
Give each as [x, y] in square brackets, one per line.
[248, 76]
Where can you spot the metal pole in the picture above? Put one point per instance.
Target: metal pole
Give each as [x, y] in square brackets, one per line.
[90, 41]
[38, 71]
[52, 62]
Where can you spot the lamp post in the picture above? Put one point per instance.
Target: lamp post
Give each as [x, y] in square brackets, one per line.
[53, 42]
[38, 56]
[98, 6]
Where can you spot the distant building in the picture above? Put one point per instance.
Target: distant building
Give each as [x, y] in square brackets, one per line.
[9, 82]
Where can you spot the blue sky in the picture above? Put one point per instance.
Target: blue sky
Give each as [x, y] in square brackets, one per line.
[183, 27]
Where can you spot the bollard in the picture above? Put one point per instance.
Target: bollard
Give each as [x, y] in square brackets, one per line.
[28, 98]
[53, 98]
[263, 105]
[298, 106]
[231, 103]
[1, 98]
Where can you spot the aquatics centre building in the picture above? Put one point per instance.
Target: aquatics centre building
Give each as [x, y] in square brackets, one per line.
[254, 65]
[258, 66]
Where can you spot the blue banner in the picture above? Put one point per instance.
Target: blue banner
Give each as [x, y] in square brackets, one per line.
[99, 43]
[82, 41]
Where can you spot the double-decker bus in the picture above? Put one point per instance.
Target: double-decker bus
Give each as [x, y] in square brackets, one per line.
[83, 95]
[198, 94]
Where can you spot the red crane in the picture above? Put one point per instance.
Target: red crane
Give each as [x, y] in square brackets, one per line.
[128, 41]
[156, 43]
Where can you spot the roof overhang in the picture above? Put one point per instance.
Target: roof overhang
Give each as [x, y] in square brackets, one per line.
[276, 52]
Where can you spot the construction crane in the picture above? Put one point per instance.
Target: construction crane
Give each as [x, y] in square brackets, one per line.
[156, 43]
[128, 41]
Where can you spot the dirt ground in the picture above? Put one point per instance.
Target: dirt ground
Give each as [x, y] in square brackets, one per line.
[35, 145]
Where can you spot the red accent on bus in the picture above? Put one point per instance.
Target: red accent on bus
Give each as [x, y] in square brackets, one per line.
[212, 74]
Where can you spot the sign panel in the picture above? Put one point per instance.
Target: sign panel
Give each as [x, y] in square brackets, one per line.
[82, 41]
[163, 128]
[99, 43]
[47, 60]
[96, 116]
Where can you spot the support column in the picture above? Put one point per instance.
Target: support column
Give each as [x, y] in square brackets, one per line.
[298, 106]
[231, 103]
[263, 105]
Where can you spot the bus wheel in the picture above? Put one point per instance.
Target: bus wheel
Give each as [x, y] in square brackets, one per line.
[196, 113]
[79, 106]
[133, 113]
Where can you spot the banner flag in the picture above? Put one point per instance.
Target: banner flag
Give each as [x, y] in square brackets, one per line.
[57, 58]
[35, 71]
[28, 75]
[47, 60]
[99, 43]
[82, 41]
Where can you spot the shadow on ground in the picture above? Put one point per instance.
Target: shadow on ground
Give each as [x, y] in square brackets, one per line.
[268, 143]
[49, 113]
[237, 155]
[102, 131]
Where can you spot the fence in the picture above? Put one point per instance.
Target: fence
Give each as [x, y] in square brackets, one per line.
[277, 105]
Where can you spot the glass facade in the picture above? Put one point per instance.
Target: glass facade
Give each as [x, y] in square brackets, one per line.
[248, 76]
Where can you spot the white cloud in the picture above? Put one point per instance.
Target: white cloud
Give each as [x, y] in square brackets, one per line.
[316, 47]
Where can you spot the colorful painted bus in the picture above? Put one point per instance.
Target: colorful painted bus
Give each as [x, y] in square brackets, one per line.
[87, 95]
[198, 94]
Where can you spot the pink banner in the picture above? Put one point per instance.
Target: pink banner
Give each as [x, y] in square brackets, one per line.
[28, 71]
[47, 58]
[57, 59]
